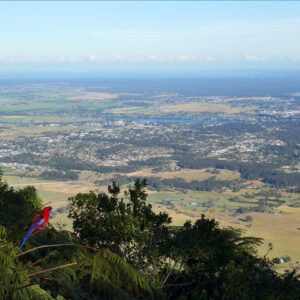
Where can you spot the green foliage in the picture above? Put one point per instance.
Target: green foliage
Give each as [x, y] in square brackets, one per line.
[138, 255]
[103, 274]
[160, 184]
[59, 175]
[17, 208]
[112, 278]
[127, 227]
[14, 281]
[248, 170]
[221, 263]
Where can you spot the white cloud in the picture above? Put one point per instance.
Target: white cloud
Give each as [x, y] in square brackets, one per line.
[101, 58]
[117, 57]
[24, 58]
[41, 59]
[182, 58]
[68, 59]
[253, 58]
[210, 58]
[296, 58]
[92, 57]
[186, 58]
[98, 58]
[154, 58]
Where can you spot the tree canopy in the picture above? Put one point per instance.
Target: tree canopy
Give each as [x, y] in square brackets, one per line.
[121, 249]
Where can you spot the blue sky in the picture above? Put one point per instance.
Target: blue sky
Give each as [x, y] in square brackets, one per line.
[149, 36]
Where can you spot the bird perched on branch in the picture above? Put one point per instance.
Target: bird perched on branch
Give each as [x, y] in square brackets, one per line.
[38, 222]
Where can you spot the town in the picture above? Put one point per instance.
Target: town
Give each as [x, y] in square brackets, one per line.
[231, 157]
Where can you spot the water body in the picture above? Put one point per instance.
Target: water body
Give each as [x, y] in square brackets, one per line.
[133, 119]
[231, 83]
[155, 120]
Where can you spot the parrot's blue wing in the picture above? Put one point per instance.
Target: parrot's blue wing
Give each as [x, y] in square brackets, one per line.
[40, 222]
[32, 227]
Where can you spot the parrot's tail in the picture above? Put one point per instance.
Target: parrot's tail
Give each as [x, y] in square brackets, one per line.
[26, 237]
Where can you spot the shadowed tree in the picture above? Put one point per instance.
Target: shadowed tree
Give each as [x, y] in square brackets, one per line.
[215, 263]
[17, 208]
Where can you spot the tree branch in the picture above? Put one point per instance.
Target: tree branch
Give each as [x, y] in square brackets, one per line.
[58, 245]
[168, 275]
[23, 286]
[52, 269]
[40, 260]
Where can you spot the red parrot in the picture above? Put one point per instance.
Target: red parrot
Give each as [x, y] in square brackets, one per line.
[38, 222]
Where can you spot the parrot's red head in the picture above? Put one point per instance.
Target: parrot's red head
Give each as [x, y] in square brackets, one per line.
[47, 209]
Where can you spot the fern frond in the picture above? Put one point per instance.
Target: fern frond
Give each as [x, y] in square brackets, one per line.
[110, 266]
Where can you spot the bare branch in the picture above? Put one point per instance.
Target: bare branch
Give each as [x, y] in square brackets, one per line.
[22, 287]
[52, 269]
[40, 260]
[168, 275]
[58, 245]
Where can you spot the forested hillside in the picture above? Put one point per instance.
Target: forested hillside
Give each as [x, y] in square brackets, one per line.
[121, 249]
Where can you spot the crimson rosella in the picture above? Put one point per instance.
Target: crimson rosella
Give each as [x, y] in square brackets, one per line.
[38, 222]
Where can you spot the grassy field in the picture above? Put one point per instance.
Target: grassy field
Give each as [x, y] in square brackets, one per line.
[57, 200]
[40, 100]
[15, 131]
[206, 107]
[20, 181]
[189, 175]
[280, 230]
[93, 96]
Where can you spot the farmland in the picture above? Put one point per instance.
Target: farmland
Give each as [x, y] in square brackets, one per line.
[233, 158]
